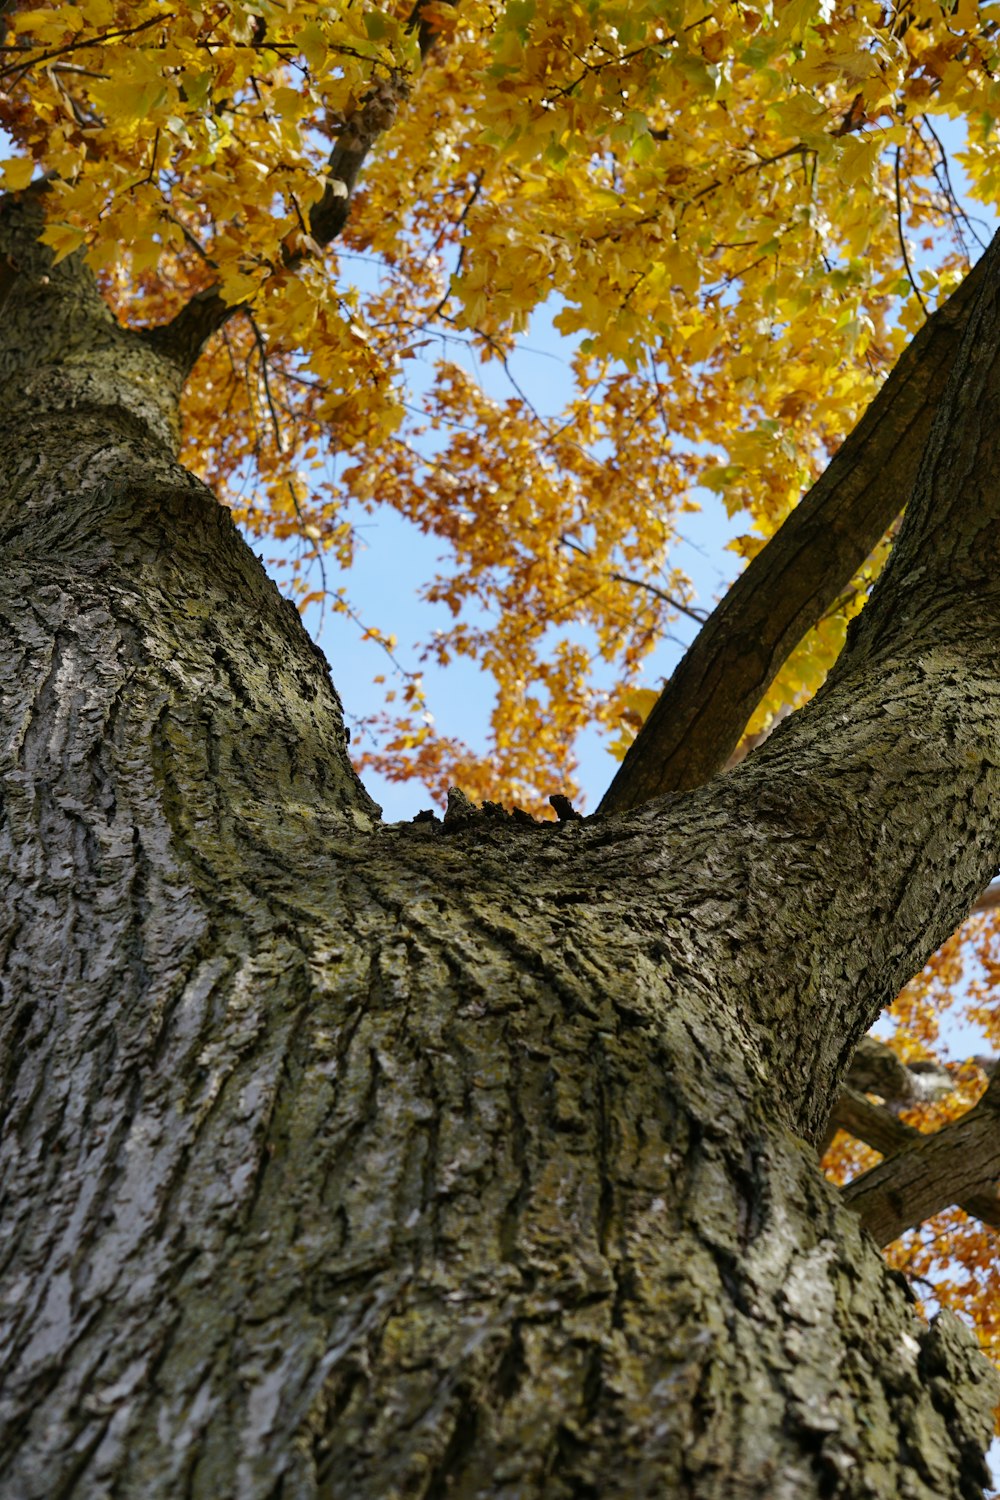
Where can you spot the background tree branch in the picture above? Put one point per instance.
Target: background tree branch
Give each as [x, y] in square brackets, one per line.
[876, 1069]
[872, 1123]
[924, 1174]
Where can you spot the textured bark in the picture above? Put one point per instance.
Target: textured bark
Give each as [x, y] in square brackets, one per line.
[696, 722]
[358, 1161]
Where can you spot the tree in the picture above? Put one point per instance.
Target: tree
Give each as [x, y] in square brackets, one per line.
[462, 1157]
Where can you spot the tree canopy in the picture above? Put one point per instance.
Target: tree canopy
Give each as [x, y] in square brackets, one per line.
[741, 216]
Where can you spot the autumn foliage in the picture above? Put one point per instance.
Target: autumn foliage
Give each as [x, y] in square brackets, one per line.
[737, 215]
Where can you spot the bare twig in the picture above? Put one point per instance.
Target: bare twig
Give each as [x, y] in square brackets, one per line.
[902, 236]
[698, 615]
[265, 381]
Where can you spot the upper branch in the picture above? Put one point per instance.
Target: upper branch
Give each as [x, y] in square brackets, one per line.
[697, 720]
[184, 337]
[853, 842]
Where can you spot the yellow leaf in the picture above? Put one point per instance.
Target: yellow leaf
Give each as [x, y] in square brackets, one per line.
[63, 239]
[291, 104]
[312, 44]
[16, 173]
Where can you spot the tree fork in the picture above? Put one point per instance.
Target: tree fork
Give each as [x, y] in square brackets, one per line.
[341, 1160]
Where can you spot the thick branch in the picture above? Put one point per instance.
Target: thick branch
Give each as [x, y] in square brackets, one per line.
[866, 826]
[373, 118]
[989, 900]
[697, 721]
[926, 1173]
[875, 1069]
[427, 31]
[185, 336]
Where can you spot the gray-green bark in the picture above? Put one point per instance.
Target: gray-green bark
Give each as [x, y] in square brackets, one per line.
[475, 1160]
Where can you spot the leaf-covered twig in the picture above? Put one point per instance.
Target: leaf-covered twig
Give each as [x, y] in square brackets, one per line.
[185, 335]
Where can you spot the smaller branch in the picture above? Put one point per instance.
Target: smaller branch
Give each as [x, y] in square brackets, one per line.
[883, 1196]
[754, 166]
[193, 240]
[372, 119]
[875, 1069]
[959, 1164]
[317, 555]
[265, 380]
[698, 615]
[854, 118]
[452, 226]
[788, 587]
[184, 337]
[958, 212]
[880, 1129]
[426, 34]
[369, 634]
[187, 333]
[989, 900]
[902, 237]
[872, 1123]
[617, 59]
[639, 582]
[24, 63]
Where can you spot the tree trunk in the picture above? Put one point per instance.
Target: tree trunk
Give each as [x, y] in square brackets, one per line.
[472, 1159]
